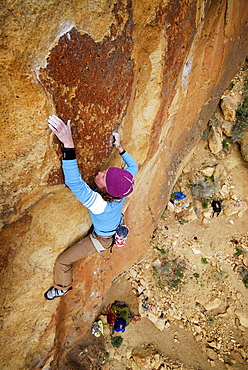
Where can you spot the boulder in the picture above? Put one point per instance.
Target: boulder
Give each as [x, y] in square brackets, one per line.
[242, 316]
[229, 104]
[215, 140]
[220, 174]
[208, 171]
[212, 304]
[186, 215]
[211, 354]
[224, 191]
[226, 127]
[159, 323]
[208, 214]
[233, 207]
[244, 146]
[245, 258]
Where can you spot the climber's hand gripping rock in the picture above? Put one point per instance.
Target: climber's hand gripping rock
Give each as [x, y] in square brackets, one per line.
[61, 130]
[117, 141]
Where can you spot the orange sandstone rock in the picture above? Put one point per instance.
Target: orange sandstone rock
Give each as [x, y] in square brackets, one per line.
[156, 70]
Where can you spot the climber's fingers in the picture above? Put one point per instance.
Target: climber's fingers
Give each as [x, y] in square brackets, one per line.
[61, 129]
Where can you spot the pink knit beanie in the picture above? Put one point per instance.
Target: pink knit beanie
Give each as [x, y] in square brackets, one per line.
[119, 183]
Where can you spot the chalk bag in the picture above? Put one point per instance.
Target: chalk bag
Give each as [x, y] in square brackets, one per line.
[121, 235]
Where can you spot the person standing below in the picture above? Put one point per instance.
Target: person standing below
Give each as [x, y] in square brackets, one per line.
[104, 204]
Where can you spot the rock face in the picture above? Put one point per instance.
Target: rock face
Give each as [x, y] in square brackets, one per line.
[154, 70]
[87, 92]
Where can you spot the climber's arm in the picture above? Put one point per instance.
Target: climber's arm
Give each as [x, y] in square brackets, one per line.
[132, 166]
[90, 199]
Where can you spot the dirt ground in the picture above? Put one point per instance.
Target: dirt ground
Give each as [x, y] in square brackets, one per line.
[202, 329]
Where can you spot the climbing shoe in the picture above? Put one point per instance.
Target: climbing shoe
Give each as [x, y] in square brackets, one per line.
[55, 293]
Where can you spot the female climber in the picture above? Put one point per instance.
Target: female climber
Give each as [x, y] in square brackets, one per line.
[104, 204]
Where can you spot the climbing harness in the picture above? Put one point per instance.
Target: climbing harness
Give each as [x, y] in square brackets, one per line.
[121, 234]
[119, 238]
[98, 241]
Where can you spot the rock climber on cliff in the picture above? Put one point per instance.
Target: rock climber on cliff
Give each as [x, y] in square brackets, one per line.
[104, 204]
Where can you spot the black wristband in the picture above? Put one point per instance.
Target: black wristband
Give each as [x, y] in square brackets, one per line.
[69, 153]
[123, 152]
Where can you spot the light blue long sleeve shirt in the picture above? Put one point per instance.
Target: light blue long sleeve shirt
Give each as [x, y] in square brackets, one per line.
[105, 216]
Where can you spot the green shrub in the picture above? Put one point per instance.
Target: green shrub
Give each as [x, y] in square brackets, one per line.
[161, 250]
[220, 276]
[169, 273]
[175, 283]
[205, 204]
[245, 65]
[243, 272]
[245, 281]
[245, 88]
[241, 123]
[238, 252]
[205, 134]
[224, 144]
[210, 321]
[163, 216]
[179, 273]
[116, 341]
[230, 86]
